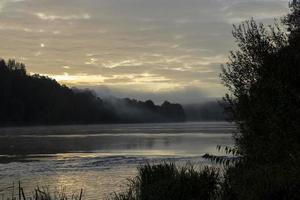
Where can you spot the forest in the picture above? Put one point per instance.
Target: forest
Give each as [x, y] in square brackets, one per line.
[205, 111]
[39, 100]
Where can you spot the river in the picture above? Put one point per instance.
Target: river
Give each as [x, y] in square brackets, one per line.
[99, 158]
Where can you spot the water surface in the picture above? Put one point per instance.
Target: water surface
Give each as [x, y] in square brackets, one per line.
[99, 158]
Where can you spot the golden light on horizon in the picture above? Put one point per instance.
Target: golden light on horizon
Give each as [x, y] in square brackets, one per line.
[108, 43]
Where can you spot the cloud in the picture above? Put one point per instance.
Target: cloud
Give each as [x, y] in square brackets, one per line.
[149, 45]
[184, 95]
[260, 10]
[50, 17]
[91, 61]
[3, 3]
[78, 78]
[111, 64]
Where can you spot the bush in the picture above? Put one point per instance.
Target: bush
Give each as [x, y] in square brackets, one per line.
[267, 182]
[168, 182]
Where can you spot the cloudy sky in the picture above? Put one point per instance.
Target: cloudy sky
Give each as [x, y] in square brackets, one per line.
[143, 48]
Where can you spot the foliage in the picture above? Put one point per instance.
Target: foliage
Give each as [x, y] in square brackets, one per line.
[43, 193]
[292, 21]
[233, 156]
[267, 182]
[168, 182]
[263, 79]
[206, 111]
[35, 99]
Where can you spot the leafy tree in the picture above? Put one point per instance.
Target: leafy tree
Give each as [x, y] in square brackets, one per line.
[292, 21]
[263, 79]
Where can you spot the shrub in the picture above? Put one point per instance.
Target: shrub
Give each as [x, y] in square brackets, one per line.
[168, 182]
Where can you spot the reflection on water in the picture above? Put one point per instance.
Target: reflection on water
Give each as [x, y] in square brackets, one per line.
[99, 158]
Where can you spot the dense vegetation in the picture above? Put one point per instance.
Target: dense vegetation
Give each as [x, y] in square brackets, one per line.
[168, 182]
[263, 78]
[206, 111]
[34, 99]
[43, 193]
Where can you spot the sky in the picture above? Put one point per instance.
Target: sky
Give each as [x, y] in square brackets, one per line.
[146, 49]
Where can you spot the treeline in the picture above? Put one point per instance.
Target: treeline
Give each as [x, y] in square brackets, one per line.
[131, 110]
[206, 111]
[35, 100]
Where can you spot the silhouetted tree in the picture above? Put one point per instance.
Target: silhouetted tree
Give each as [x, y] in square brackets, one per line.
[259, 77]
[263, 78]
[292, 21]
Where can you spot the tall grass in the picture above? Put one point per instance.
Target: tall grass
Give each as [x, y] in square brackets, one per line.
[168, 182]
[44, 193]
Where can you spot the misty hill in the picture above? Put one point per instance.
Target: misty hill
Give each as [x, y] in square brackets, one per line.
[35, 99]
[206, 111]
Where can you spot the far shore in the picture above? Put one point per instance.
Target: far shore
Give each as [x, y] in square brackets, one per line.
[70, 129]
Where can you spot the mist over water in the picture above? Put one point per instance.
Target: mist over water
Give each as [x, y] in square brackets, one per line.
[99, 158]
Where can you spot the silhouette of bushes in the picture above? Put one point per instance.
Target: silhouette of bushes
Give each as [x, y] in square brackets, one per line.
[168, 182]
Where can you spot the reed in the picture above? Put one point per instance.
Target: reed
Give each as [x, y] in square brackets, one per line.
[44, 193]
[169, 182]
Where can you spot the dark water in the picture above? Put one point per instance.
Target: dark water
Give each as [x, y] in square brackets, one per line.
[99, 158]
